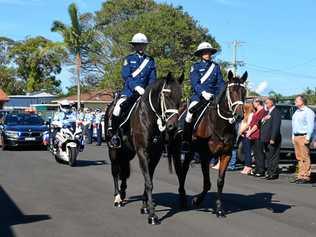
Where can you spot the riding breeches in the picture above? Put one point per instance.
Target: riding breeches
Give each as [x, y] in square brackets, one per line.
[189, 115]
[117, 107]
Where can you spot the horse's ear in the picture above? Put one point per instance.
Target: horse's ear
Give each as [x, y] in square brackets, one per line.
[169, 77]
[244, 77]
[230, 75]
[181, 78]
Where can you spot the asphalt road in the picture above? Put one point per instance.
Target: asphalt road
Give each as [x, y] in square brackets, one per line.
[40, 198]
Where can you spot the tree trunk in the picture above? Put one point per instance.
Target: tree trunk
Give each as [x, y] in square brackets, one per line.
[78, 66]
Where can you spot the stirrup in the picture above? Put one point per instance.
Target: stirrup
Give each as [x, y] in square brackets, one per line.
[115, 142]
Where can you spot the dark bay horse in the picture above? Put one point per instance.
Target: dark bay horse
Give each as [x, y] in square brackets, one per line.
[214, 136]
[152, 122]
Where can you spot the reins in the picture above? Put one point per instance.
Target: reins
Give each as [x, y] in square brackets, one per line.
[163, 117]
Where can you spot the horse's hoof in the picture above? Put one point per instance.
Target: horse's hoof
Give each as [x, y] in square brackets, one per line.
[153, 220]
[119, 204]
[144, 211]
[220, 214]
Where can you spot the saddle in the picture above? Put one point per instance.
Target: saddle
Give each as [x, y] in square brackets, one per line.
[198, 112]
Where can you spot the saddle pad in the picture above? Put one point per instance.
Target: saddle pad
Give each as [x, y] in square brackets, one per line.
[196, 119]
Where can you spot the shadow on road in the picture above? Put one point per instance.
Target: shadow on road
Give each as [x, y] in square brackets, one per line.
[27, 148]
[83, 163]
[232, 203]
[11, 215]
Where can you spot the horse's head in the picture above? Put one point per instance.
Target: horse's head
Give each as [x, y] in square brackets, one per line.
[170, 99]
[236, 93]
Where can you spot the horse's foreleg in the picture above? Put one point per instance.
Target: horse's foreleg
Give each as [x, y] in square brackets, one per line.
[115, 168]
[144, 165]
[224, 161]
[181, 169]
[206, 180]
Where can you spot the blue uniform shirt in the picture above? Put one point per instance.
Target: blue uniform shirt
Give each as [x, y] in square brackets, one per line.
[213, 84]
[146, 77]
[65, 118]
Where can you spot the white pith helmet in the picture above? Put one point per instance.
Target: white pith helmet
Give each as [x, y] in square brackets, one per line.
[204, 46]
[139, 38]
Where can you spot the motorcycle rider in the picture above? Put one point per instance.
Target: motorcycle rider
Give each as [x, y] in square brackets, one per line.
[65, 116]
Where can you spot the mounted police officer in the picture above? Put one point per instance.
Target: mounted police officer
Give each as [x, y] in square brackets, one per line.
[206, 82]
[139, 71]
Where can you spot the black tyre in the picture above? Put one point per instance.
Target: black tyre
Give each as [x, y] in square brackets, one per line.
[73, 156]
[58, 160]
[2, 143]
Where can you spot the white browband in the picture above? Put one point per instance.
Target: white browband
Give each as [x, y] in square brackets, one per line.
[163, 118]
[231, 105]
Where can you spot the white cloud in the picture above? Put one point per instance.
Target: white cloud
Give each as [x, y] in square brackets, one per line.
[261, 87]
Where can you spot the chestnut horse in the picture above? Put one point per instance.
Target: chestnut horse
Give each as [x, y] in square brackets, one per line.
[214, 136]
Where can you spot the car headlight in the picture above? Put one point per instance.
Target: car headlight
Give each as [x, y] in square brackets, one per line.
[13, 134]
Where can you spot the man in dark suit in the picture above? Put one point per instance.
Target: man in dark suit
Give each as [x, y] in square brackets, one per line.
[271, 136]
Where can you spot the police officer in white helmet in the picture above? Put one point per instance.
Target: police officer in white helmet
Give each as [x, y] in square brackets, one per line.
[138, 71]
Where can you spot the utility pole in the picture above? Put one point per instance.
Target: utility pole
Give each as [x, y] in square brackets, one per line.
[235, 63]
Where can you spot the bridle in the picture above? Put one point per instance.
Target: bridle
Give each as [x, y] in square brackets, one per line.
[166, 113]
[231, 105]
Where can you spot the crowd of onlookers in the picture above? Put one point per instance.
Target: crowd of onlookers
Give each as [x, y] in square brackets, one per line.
[260, 136]
[91, 120]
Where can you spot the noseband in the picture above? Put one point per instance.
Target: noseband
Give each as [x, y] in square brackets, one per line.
[166, 113]
[232, 106]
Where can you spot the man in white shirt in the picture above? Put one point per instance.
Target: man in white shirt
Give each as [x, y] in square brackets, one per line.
[303, 126]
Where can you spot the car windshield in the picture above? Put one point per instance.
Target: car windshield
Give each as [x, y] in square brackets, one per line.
[23, 119]
[286, 111]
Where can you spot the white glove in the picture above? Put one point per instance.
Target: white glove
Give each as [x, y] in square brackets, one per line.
[207, 95]
[140, 90]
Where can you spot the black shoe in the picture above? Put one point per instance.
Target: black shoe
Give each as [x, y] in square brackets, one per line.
[272, 177]
[115, 142]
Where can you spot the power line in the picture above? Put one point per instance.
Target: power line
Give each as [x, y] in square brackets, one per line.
[235, 63]
[278, 71]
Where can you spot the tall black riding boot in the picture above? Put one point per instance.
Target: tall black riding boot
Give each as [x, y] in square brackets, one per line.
[187, 138]
[115, 140]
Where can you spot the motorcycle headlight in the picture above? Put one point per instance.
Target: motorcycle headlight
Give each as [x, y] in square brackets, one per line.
[78, 136]
[13, 134]
[68, 136]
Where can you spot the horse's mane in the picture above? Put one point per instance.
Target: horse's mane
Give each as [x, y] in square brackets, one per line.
[221, 93]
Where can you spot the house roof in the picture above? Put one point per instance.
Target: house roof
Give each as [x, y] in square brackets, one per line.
[3, 96]
[91, 96]
[34, 95]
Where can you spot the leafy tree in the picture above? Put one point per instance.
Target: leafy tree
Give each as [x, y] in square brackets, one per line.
[77, 37]
[173, 33]
[8, 81]
[38, 61]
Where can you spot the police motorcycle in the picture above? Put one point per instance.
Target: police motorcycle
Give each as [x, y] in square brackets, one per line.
[65, 138]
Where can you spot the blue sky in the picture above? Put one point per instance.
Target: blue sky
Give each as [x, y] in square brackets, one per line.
[279, 36]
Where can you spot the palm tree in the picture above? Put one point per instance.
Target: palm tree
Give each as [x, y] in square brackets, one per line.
[73, 36]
